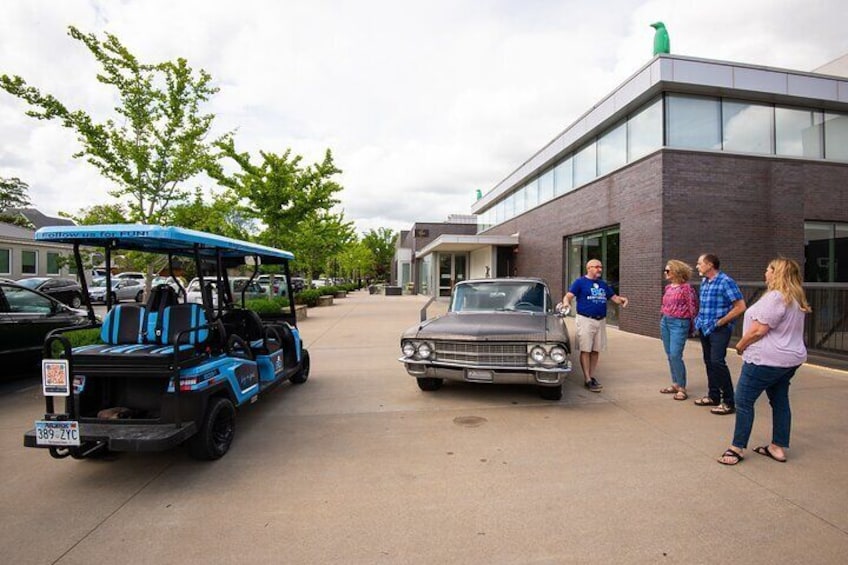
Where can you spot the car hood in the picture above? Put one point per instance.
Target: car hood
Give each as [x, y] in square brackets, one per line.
[495, 326]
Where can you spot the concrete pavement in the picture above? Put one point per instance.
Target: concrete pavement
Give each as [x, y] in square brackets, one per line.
[360, 466]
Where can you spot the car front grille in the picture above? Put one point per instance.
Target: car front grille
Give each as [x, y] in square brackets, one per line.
[482, 354]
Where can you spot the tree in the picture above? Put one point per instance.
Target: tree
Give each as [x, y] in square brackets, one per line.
[381, 242]
[156, 141]
[13, 194]
[317, 239]
[99, 214]
[222, 216]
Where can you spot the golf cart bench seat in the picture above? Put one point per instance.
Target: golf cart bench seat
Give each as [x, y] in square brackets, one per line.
[136, 339]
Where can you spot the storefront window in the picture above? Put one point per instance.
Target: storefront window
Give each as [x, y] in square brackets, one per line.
[798, 132]
[693, 122]
[825, 252]
[603, 245]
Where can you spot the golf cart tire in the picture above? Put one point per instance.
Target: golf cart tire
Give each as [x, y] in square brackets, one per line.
[300, 377]
[216, 431]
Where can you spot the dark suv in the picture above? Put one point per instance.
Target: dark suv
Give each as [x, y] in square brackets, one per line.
[67, 291]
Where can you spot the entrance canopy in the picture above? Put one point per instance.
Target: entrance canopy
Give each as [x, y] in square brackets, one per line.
[465, 243]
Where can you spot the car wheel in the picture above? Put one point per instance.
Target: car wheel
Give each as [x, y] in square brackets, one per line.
[114, 298]
[550, 392]
[76, 301]
[216, 432]
[300, 377]
[429, 383]
[139, 296]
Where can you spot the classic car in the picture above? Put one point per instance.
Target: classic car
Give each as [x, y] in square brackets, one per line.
[495, 331]
[67, 291]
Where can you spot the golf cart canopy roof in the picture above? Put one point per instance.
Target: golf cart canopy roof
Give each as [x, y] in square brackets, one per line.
[163, 239]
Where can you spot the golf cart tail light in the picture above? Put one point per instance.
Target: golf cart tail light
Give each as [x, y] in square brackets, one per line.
[424, 350]
[558, 355]
[537, 354]
[408, 349]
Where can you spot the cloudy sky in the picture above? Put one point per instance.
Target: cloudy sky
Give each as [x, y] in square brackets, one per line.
[422, 103]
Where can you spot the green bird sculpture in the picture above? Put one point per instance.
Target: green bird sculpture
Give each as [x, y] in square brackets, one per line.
[661, 42]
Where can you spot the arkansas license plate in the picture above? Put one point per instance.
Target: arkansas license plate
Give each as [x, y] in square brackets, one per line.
[48, 432]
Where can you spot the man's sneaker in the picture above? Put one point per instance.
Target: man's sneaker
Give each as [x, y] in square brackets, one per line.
[593, 385]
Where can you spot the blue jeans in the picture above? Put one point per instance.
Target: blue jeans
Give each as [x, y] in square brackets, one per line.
[719, 385]
[674, 332]
[752, 382]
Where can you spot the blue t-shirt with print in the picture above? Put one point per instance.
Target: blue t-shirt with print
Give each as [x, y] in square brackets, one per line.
[591, 295]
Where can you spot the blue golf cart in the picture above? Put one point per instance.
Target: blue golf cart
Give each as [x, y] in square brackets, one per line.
[166, 372]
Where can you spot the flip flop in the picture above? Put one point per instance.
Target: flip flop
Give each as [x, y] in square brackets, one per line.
[735, 457]
[668, 390]
[706, 401]
[680, 395]
[764, 450]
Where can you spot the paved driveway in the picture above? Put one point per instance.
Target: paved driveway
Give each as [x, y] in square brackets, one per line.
[359, 466]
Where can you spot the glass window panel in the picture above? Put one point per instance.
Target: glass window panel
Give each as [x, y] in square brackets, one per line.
[645, 131]
[585, 165]
[531, 194]
[5, 261]
[836, 136]
[693, 122]
[563, 177]
[546, 186]
[747, 127]
[612, 149]
[817, 251]
[29, 262]
[798, 132]
[519, 202]
[52, 263]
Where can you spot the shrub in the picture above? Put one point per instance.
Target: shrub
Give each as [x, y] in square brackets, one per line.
[268, 306]
[309, 296]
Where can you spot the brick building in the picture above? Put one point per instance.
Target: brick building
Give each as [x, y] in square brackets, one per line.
[685, 157]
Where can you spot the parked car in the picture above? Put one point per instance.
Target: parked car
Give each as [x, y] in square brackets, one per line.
[280, 288]
[194, 296]
[67, 291]
[122, 289]
[495, 331]
[130, 275]
[298, 284]
[26, 317]
[168, 281]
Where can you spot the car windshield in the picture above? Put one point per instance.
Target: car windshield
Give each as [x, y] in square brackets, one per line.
[30, 283]
[499, 296]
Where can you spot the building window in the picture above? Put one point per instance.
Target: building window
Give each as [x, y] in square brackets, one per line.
[5, 261]
[798, 132]
[29, 262]
[825, 252]
[546, 186]
[563, 177]
[645, 131]
[585, 165]
[747, 127]
[52, 263]
[693, 122]
[531, 194]
[836, 136]
[603, 245]
[612, 149]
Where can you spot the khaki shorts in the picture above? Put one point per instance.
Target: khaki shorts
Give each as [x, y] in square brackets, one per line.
[591, 333]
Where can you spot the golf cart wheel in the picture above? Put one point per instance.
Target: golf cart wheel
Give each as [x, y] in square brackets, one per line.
[300, 377]
[429, 383]
[550, 392]
[216, 432]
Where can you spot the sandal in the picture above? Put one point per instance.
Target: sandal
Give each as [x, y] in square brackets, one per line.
[680, 395]
[668, 390]
[723, 410]
[706, 401]
[732, 455]
[764, 450]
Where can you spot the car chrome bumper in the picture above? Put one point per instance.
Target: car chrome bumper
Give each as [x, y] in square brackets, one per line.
[499, 375]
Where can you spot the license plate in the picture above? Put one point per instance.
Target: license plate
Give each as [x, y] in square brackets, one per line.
[48, 432]
[479, 375]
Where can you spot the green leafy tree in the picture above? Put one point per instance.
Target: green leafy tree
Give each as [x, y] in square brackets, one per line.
[13, 194]
[222, 215]
[381, 242]
[157, 138]
[317, 239]
[115, 213]
[356, 261]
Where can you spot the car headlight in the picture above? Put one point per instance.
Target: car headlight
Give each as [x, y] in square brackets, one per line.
[558, 355]
[537, 354]
[408, 349]
[424, 350]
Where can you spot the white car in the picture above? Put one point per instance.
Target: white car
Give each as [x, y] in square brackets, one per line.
[254, 290]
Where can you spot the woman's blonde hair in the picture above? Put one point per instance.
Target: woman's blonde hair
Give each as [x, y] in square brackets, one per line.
[679, 270]
[787, 281]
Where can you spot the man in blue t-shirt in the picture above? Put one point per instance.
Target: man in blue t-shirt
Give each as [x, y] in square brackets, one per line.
[592, 293]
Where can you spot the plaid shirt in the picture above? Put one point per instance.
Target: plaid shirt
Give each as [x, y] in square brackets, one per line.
[717, 298]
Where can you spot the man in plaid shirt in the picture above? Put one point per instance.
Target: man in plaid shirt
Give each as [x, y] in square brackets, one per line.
[721, 303]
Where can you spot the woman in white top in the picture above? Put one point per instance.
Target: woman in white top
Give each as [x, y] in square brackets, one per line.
[772, 348]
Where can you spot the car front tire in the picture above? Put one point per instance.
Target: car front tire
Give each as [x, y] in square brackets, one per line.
[550, 392]
[429, 383]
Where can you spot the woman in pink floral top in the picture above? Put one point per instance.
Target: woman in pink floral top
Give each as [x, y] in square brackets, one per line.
[679, 309]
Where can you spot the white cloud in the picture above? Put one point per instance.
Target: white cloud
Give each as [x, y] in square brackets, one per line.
[421, 104]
